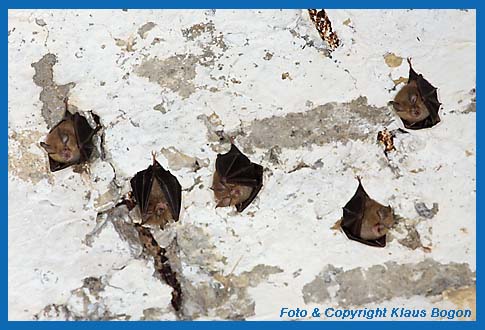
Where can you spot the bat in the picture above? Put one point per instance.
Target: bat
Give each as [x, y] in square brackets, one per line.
[70, 141]
[236, 180]
[365, 220]
[417, 102]
[158, 195]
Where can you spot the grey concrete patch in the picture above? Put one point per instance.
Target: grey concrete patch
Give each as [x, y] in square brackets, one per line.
[52, 95]
[153, 314]
[93, 307]
[472, 107]
[175, 73]
[224, 296]
[424, 211]
[412, 240]
[379, 283]
[324, 124]
[197, 30]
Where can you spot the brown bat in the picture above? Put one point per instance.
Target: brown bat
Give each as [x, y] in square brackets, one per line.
[158, 195]
[365, 220]
[236, 180]
[70, 141]
[417, 102]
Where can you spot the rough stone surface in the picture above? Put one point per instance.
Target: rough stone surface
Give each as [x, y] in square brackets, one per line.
[182, 84]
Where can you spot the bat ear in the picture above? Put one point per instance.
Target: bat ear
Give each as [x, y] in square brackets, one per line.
[383, 212]
[396, 106]
[47, 147]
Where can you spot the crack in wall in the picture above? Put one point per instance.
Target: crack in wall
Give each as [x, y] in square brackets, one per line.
[214, 294]
[162, 265]
[142, 242]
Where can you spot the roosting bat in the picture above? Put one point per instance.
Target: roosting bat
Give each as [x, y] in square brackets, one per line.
[417, 103]
[365, 220]
[158, 195]
[70, 141]
[236, 180]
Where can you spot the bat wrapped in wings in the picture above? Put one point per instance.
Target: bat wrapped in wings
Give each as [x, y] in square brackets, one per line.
[236, 180]
[158, 195]
[365, 220]
[70, 141]
[417, 102]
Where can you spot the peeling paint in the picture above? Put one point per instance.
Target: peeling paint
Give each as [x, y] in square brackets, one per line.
[392, 60]
[463, 298]
[178, 160]
[26, 160]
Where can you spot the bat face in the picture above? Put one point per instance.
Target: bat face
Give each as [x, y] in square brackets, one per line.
[417, 103]
[377, 221]
[365, 220]
[158, 195]
[237, 180]
[229, 194]
[70, 141]
[158, 212]
[409, 104]
[61, 143]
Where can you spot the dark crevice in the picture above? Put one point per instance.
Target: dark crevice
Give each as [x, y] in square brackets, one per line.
[162, 265]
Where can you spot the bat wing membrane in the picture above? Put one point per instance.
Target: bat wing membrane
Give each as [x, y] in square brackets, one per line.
[352, 219]
[257, 184]
[84, 135]
[430, 98]
[141, 185]
[170, 187]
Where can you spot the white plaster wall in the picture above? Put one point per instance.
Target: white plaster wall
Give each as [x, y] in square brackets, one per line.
[288, 225]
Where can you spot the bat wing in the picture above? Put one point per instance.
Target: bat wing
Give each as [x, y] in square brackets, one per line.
[141, 185]
[84, 135]
[353, 214]
[258, 172]
[430, 98]
[170, 187]
[235, 168]
[57, 166]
